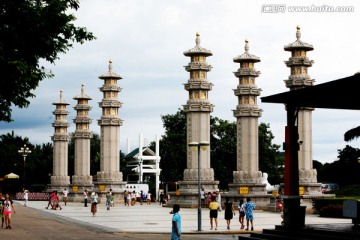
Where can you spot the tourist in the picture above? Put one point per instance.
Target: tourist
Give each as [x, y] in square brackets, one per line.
[249, 211]
[241, 213]
[112, 198]
[128, 199]
[176, 223]
[53, 197]
[49, 200]
[85, 194]
[1, 211]
[108, 200]
[65, 195]
[218, 199]
[94, 203]
[213, 206]
[26, 197]
[202, 194]
[161, 198]
[7, 209]
[229, 212]
[141, 197]
[148, 198]
[208, 197]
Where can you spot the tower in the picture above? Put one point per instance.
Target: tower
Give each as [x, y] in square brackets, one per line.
[197, 109]
[60, 178]
[299, 78]
[109, 175]
[82, 138]
[247, 179]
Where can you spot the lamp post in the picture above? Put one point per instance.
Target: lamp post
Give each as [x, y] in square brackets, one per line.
[24, 151]
[202, 145]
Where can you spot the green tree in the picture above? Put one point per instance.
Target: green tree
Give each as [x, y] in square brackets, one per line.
[173, 147]
[344, 171]
[30, 31]
[223, 150]
[269, 160]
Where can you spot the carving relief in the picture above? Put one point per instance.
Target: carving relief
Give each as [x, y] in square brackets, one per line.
[247, 176]
[307, 175]
[192, 174]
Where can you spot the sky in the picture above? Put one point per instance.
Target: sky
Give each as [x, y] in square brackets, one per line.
[145, 39]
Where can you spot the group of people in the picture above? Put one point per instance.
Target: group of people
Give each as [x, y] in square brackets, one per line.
[54, 201]
[246, 209]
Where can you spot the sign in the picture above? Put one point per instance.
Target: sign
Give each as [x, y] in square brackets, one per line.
[301, 191]
[244, 190]
[101, 188]
[275, 193]
[75, 188]
[177, 192]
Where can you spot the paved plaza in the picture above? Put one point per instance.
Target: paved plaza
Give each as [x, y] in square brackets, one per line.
[134, 222]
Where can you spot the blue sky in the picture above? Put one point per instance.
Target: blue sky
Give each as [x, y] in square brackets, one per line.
[146, 40]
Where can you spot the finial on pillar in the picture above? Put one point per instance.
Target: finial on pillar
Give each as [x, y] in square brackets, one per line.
[61, 92]
[110, 65]
[298, 33]
[197, 41]
[246, 45]
[82, 88]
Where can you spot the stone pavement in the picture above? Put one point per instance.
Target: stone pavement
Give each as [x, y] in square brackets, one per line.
[75, 221]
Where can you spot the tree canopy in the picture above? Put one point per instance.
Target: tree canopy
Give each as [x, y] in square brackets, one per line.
[30, 31]
[223, 150]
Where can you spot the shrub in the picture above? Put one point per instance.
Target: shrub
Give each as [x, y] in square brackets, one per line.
[331, 211]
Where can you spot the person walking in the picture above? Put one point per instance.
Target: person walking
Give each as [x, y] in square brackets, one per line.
[213, 206]
[108, 200]
[241, 208]
[94, 203]
[7, 209]
[1, 211]
[141, 197]
[218, 199]
[229, 212]
[249, 211]
[112, 198]
[65, 195]
[26, 197]
[85, 197]
[176, 223]
[148, 198]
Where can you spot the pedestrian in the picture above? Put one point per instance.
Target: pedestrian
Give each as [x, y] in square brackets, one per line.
[1, 211]
[49, 200]
[108, 200]
[161, 198]
[57, 201]
[176, 223]
[202, 196]
[7, 209]
[241, 213]
[141, 197]
[128, 199]
[112, 198]
[249, 211]
[218, 199]
[85, 197]
[208, 197]
[65, 195]
[213, 206]
[229, 212]
[148, 198]
[94, 203]
[125, 197]
[26, 197]
[53, 200]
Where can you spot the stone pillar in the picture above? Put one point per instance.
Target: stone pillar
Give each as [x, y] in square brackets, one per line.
[197, 109]
[299, 64]
[109, 175]
[247, 179]
[60, 178]
[82, 136]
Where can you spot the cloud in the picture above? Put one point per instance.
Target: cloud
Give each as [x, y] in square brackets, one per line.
[146, 40]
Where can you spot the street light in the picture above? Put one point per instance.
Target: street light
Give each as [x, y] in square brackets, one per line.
[24, 151]
[202, 145]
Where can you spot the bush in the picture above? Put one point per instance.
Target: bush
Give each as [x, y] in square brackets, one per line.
[320, 203]
[335, 211]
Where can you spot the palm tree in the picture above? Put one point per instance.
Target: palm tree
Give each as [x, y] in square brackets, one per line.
[352, 134]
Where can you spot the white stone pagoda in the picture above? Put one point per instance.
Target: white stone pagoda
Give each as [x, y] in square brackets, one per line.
[60, 179]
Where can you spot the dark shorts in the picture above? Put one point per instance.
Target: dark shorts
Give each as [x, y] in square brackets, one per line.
[213, 213]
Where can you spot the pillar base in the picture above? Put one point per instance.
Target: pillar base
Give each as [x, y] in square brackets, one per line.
[187, 194]
[294, 214]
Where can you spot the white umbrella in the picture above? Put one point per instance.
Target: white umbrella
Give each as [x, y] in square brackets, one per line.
[11, 175]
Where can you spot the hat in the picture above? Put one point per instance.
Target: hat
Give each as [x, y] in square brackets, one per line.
[93, 194]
